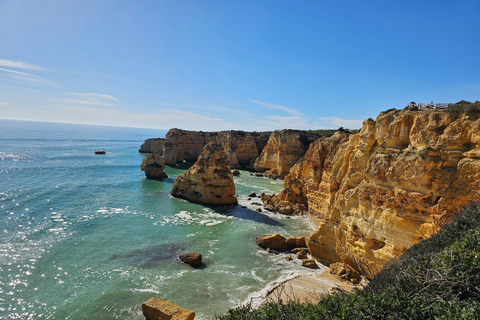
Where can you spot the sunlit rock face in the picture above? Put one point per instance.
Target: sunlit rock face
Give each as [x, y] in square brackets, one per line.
[153, 145]
[153, 166]
[283, 150]
[241, 147]
[209, 181]
[389, 186]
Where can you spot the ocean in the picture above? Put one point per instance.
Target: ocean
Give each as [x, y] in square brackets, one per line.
[86, 236]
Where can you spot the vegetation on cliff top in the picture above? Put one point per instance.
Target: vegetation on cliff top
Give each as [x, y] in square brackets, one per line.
[438, 278]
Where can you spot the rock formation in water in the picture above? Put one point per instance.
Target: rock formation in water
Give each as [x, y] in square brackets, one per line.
[153, 165]
[209, 181]
[152, 145]
[389, 186]
[283, 150]
[240, 147]
[161, 309]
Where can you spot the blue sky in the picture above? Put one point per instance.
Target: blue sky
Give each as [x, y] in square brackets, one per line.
[222, 65]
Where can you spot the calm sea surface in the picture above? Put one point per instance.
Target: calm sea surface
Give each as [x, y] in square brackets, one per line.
[87, 236]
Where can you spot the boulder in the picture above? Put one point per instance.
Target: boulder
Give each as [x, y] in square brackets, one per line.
[295, 242]
[153, 166]
[272, 241]
[253, 195]
[193, 259]
[345, 272]
[302, 254]
[309, 263]
[236, 172]
[161, 309]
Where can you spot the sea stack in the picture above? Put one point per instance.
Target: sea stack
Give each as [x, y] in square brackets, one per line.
[153, 165]
[209, 181]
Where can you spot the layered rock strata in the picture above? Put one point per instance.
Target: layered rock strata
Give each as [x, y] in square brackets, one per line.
[153, 166]
[161, 309]
[152, 145]
[387, 187]
[241, 147]
[283, 150]
[209, 181]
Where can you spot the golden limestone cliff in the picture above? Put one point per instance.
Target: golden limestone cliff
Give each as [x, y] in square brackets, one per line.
[152, 145]
[385, 188]
[283, 150]
[241, 147]
[209, 181]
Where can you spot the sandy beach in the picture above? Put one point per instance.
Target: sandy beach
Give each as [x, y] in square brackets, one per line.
[306, 287]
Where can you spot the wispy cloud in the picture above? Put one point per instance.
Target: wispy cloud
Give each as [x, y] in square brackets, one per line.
[87, 98]
[20, 65]
[161, 118]
[11, 73]
[288, 110]
[339, 122]
[5, 104]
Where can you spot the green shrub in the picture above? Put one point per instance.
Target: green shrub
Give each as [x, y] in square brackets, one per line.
[438, 278]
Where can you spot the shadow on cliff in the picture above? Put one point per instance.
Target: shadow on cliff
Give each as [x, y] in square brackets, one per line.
[240, 212]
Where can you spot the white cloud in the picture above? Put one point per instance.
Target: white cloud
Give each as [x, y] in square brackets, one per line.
[339, 122]
[19, 65]
[288, 110]
[87, 98]
[26, 78]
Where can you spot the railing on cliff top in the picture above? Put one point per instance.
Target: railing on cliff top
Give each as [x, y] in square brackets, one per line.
[430, 105]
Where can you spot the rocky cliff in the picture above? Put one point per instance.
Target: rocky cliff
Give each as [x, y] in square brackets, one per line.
[389, 186]
[152, 145]
[209, 181]
[241, 147]
[153, 166]
[283, 150]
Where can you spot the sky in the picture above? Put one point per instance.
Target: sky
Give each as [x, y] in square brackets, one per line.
[233, 65]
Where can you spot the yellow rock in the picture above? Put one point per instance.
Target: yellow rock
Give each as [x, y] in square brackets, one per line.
[209, 180]
[161, 309]
[380, 191]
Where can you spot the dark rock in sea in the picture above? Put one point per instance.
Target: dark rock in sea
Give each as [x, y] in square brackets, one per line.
[236, 172]
[192, 259]
[253, 194]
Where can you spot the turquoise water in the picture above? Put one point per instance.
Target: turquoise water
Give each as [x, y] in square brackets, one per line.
[87, 236]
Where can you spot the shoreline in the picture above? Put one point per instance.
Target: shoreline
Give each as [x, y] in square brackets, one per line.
[308, 286]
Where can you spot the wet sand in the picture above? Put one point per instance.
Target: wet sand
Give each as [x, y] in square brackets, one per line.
[307, 288]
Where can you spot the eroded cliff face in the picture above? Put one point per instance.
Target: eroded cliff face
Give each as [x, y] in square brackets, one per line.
[209, 181]
[283, 150]
[153, 166]
[387, 187]
[152, 145]
[241, 147]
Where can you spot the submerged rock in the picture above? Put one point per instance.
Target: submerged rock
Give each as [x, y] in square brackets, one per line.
[161, 309]
[209, 181]
[153, 165]
[192, 259]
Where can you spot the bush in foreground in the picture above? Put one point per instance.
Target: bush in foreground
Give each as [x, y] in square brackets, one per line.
[438, 278]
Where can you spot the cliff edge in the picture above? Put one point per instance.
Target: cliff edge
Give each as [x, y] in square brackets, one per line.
[389, 186]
